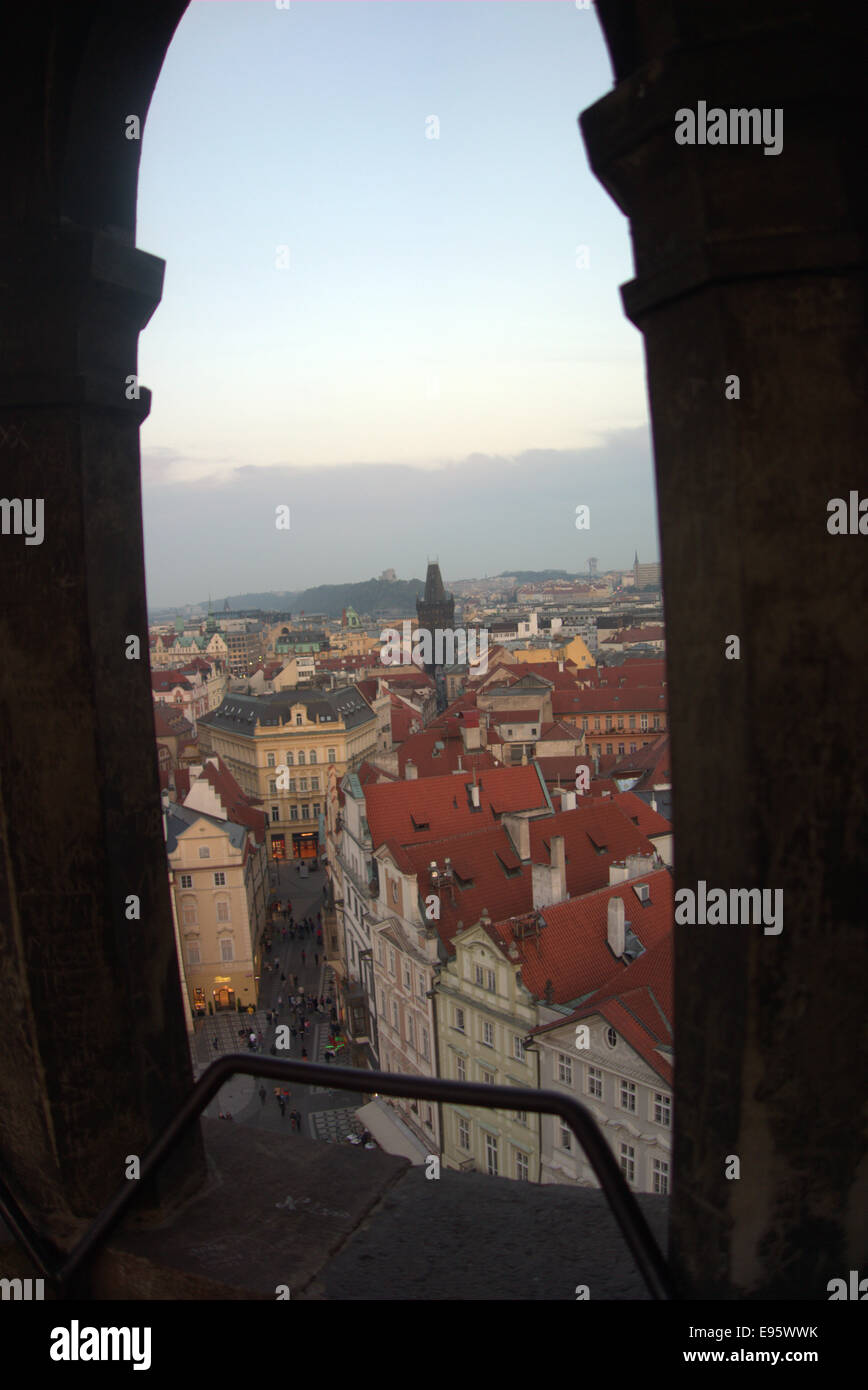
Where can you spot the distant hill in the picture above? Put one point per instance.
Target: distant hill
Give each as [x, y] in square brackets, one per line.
[369, 596]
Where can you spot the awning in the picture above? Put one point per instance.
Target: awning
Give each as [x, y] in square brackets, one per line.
[391, 1133]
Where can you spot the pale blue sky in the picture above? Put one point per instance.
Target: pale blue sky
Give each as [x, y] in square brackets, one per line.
[432, 314]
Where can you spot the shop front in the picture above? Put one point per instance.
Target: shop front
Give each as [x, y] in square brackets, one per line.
[305, 844]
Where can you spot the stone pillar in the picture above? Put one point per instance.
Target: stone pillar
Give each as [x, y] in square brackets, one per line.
[95, 1058]
[752, 265]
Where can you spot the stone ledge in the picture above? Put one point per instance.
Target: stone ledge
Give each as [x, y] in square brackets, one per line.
[334, 1222]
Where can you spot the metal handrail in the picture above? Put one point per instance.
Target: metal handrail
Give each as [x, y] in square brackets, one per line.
[58, 1268]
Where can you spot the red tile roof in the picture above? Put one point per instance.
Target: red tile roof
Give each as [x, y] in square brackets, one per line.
[649, 821]
[596, 834]
[432, 807]
[430, 762]
[483, 878]
[236, 803]
[514, 716]
[572, 948]
[639, 1004]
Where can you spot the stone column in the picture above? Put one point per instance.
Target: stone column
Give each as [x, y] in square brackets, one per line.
[95, 1058]
[752, 266]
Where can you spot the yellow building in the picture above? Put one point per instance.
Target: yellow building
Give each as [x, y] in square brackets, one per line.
[484, 1013]
[218, 877]
[280, 747]
[574, 650]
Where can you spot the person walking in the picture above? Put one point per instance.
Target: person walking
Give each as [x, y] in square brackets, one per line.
[303, 956]
[295, 982]
[304, 1054]
[282, 1103]
[316, 959]
[262, 1095]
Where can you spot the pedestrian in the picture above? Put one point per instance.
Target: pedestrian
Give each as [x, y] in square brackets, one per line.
[214, 1045]
[307, 1025]
[334, 1015]
[260, 1039]
[277, 1093]
[282, 978]
[316, 959]
[304, 1054]
[282, 1103]
[252, 1041]
[303, 956]
[262, 1095]
[280, 1001]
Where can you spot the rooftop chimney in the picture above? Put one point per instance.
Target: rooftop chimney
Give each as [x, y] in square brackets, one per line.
[474, 794]
[616, 931]
[411, 771]
[559, 864]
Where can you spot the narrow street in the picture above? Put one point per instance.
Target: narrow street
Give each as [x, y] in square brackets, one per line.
[325, 1114]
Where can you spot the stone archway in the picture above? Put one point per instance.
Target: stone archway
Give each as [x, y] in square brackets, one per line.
[744, 267]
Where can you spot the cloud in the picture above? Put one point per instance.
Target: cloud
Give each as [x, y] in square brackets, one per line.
[211, 528]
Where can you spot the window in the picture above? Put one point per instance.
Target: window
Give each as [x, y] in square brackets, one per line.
[491, 1155]
[662, 1109]
[186, 880]
[621, 748]
[316, 809]
[272, 787]
[314, 784]
[463, 1133]
[407, 978]
[596, 726]
[490, 980]
[632, 748]
[312, 758]
[611, 1037]
[290, 758]
[411, 1030]
[222, 911]
[608, 723]
[477, 974]
[380, 950]
[628, 1162]
[298, 719]
[302, 784]
[521, 1166]
[643, 723]
[519, 1051]
[301, 758]
[488, 1034]
[487, 1077]
[424, 1042]
[270, 760]
[660, 1174]
[628, 1096]
[421, 986]
[305, 810]
[293, 812]
[275, 814]
[204, 852]
[194, 955]
[595, 1083]
[564, 1068]
[459, 1020]
[396, 1023]
[391, 961]
[460, 1069]
[189, 915]
[227, 950]
[292, 784]
[332, 757]
[608, 747]
[219, 880]
[566, 1135]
